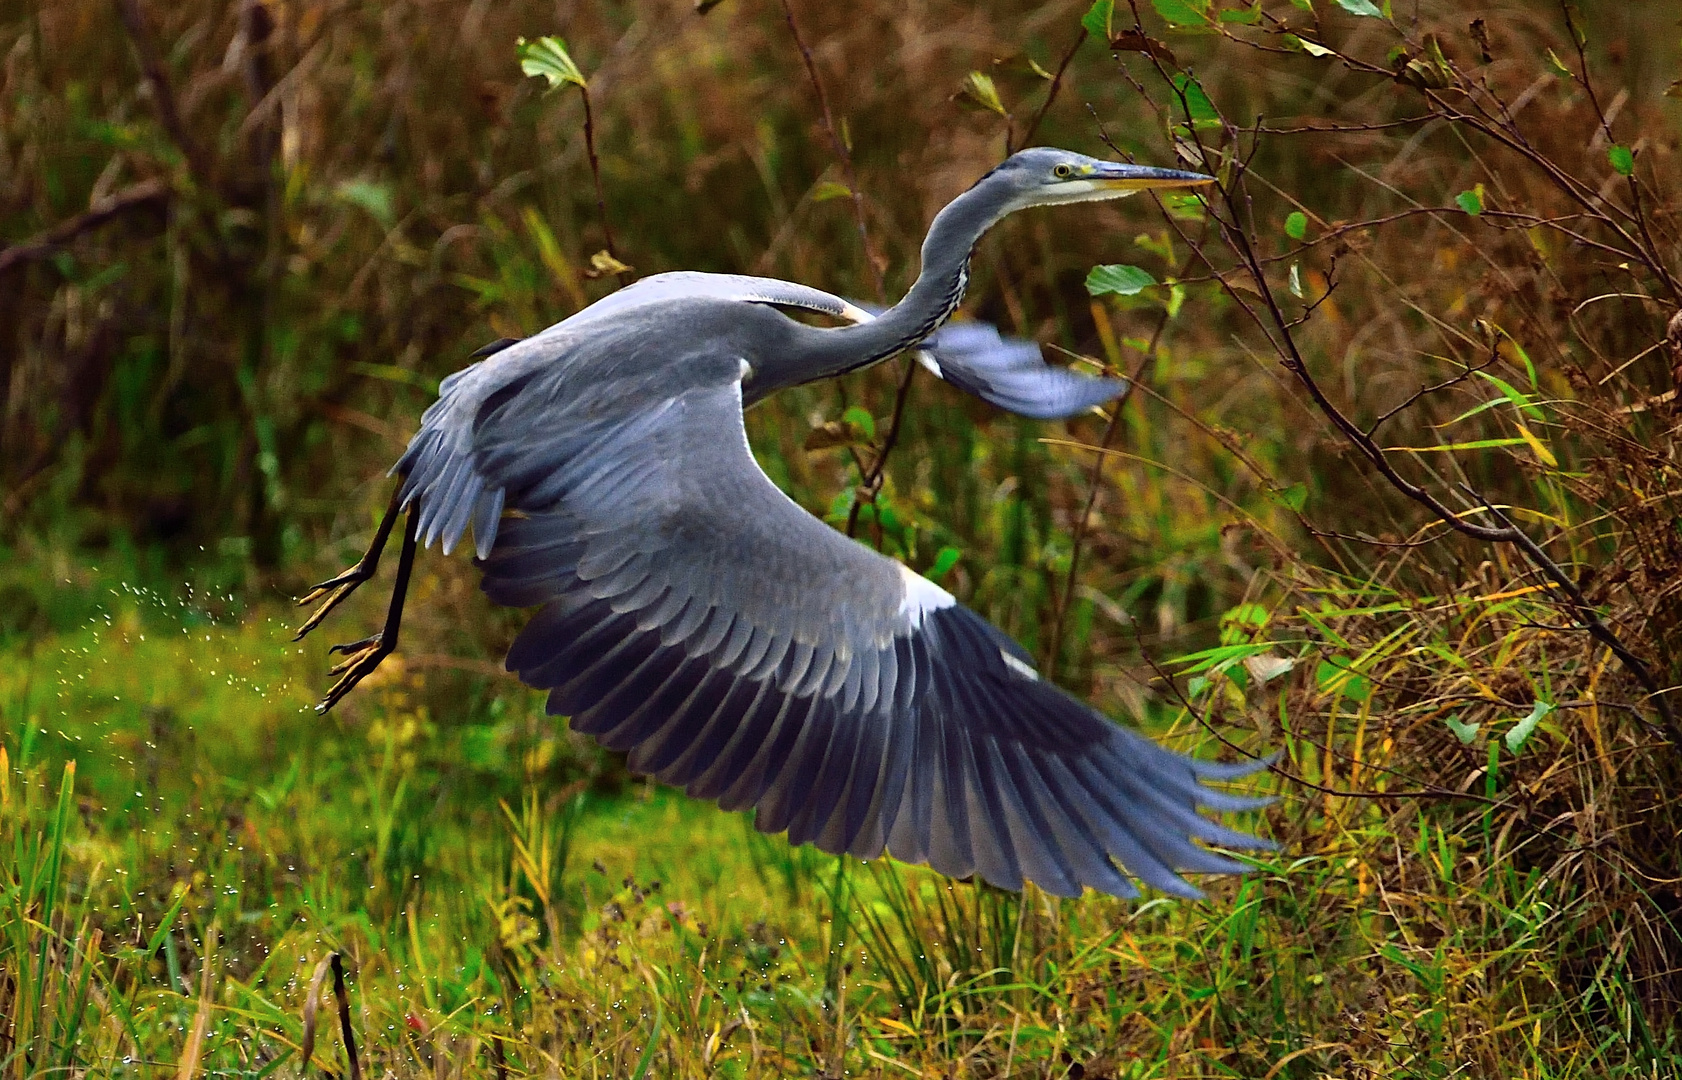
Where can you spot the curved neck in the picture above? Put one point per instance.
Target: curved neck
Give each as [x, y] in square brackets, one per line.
[937, 292]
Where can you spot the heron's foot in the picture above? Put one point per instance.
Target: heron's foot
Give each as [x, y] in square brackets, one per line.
[335, 589]
[361, 658]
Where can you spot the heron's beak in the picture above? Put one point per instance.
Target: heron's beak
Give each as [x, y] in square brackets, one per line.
[1119, 176]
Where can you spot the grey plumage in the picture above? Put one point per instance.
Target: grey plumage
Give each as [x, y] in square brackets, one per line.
[691, 615]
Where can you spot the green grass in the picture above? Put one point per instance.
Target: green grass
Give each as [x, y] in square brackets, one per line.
[186, 842]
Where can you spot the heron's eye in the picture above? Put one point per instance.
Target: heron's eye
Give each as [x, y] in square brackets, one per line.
[1063, 172]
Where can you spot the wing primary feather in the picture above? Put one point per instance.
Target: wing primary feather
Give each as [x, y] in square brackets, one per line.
[549, 650]
[1082, 853]
[738, 749]
[660, 755]
[693, 766]
[1038, 850]
[909, 838]
[872, 821]
[626, 716]
[996, 858]
[845, 752]
[780, 777]
[1120, 830]
[838, 826]
[646, 728]
[578, 696]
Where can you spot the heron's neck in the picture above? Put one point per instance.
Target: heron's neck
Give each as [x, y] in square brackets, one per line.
[936, 293]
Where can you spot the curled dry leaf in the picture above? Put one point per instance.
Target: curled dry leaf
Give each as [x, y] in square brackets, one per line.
[603, 264]
[1136, 41]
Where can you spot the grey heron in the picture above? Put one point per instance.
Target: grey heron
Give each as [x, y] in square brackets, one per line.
[692, 615]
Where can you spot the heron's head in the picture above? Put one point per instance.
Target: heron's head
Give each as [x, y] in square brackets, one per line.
[1045, 176]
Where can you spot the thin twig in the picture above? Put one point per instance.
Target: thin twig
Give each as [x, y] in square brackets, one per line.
[870, 482]
[1011, 145]
[596, 174]
[841, 153]
[1426, 391]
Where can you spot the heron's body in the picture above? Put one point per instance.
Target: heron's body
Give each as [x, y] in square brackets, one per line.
[694, 616]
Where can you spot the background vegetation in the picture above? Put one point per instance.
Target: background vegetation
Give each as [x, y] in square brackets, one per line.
[1395, 494]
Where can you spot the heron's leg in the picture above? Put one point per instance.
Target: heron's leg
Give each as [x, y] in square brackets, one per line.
[336, 589]
[362, 657]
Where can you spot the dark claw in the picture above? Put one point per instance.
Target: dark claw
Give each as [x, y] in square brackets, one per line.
[347, 581]
[355, 646]
[352, 576]
[337, 596]
[362, 658]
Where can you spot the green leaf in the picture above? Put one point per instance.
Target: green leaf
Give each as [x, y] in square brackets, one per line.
[860, 417]
[1293, 498]
[1475, 444]
[1296, 225]
[944, 560]
[1557, 66]
[1463, 731]
[1301, 44]
[371, 196]
[979, 89]
[548, 57]
[1182, 12]
[1519, 399]
[1622, 159]
[1249, 16]
[1220, 658]
[647, 1057]
[1248, 615]
[1471, 201]
[1183, 207]
[1335, 673]
[1097, 19]
[167, 924]
[824, 190]
[1199, 108]
[1521, 731]
[1360, 7]
[1120, 279]
[1176, 299]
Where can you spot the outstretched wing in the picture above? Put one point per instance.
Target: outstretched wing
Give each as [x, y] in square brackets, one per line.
[1011, 374]
[738, 648]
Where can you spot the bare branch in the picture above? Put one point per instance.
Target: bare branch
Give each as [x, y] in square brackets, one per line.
[841, 154]
[1011, 145]
[144, 195]
[163, 94]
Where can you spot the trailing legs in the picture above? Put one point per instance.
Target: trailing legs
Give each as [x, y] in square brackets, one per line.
[337, 589]
[362, 657]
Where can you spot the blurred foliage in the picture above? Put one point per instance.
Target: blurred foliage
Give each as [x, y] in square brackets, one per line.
[241, 243]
